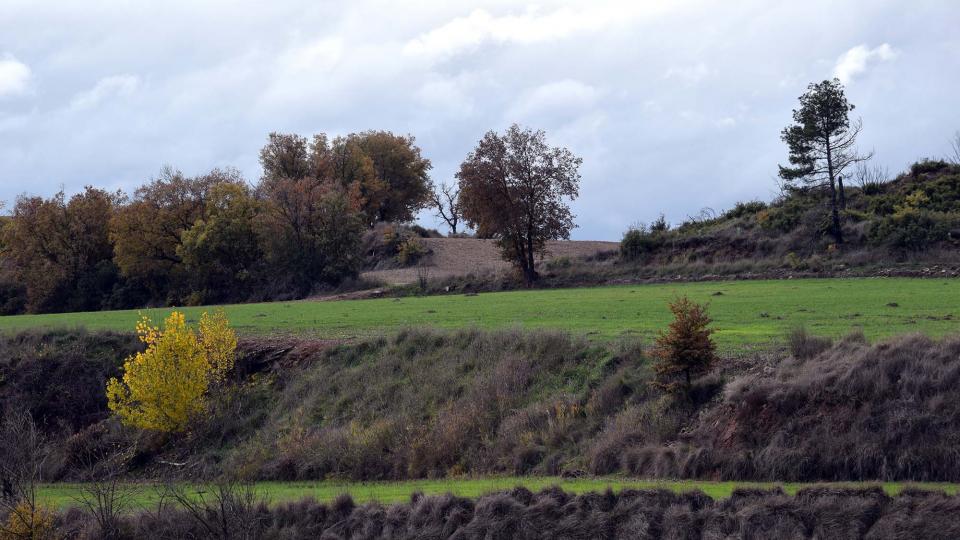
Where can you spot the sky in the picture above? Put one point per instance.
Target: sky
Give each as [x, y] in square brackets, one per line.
[673, 106]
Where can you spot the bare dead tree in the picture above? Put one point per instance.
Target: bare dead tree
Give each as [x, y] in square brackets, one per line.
[227, 510]
[423, 276]
[446, 199]
[954, 156]
[104, 496]
[22, 457]
[870, 177]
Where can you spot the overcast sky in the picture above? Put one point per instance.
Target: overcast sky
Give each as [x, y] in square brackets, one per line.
[673, 106]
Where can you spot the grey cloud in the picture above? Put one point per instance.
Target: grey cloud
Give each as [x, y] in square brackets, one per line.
[673, 106]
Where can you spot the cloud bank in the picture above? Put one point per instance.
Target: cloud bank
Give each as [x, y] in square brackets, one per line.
[673, 106]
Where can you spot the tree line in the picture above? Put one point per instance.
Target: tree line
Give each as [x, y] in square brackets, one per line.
[215, 238]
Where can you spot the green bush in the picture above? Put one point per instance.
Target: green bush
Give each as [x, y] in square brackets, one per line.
[912, 229]
[785, 216]
[638, 243]
[928, 166]
[660, 225]
[410, 251]
[744, 209]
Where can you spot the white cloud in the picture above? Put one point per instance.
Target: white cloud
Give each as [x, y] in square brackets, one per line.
[448, 95]
[464, 34]
[320, 55]
[112, 87]
[854, 62]
[726, 122]
[558, 97]
[690, 74]
[14, 76]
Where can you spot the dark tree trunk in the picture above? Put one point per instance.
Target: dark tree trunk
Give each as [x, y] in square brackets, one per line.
[834, 206]
[843, 193]
[523, 258]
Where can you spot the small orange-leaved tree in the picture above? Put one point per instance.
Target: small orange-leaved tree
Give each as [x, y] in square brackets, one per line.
[685, 350]
[166, 386]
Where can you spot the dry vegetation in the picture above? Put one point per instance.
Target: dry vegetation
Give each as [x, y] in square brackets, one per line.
[551, 513]
[455, 257]
[436, 404]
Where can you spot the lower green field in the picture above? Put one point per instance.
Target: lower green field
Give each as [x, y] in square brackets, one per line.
[745, 312]
[142, 495]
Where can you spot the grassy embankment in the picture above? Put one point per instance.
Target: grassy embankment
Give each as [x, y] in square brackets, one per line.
[744, 312]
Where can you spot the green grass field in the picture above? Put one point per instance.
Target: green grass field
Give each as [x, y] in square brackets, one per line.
[143, 495]
[745, 312]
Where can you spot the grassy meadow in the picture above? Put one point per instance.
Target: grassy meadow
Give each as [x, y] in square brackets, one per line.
[145, 495]
[744, 312]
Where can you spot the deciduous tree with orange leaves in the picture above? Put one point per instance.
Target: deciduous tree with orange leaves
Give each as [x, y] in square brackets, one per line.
[685, 350]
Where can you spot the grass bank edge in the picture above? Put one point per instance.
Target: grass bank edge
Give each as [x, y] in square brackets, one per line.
[146, 494]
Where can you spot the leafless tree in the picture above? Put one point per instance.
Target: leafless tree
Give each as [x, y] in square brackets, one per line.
[105, 496]
[954, 156]
[446, 199]
[227, 510]
[423, 276]
[870, 177]
[22, 457]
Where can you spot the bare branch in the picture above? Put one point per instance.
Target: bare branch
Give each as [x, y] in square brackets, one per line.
[446, 199]
[954, 156]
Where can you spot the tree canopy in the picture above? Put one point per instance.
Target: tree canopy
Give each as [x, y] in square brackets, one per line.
[514, 187]
[821, 144]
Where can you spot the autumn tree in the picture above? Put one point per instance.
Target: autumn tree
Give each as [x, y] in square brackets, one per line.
[384, 175]
[446, 202]
[821, 144]
[685, 350]
[147, 233]
[311, 232]
[399, 165]
[286, 156]
[221, 252]
[60, 249]
[347, 165]
[165, 387]
[513, 187]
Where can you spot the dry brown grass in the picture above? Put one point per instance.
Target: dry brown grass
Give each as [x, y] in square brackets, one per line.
[453, 257]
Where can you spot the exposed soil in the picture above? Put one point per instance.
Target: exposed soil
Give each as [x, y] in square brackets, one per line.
[450, 257]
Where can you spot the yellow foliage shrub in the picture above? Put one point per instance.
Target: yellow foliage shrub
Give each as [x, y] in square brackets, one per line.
[28, 521]
[166, 386]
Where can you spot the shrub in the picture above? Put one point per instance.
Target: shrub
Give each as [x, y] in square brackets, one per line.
[409, 251]
[29, 521]
[805, 345]
[928, 166]
[164, 387]
[911, 229]
[744, 209]
[660, 225]
[821, 512]
[783, 218]
[685, 350]
[638, 242]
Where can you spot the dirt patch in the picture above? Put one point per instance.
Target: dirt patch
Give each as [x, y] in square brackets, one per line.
[451, 257]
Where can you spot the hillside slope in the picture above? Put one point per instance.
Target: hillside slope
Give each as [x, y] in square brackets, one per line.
[436, 404]
[908, 226]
